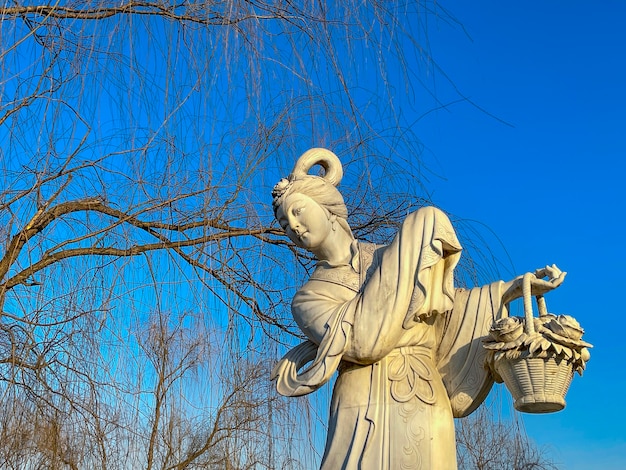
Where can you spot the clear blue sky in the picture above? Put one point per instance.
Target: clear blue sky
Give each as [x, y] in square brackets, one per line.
[549, 184]
[537, 154]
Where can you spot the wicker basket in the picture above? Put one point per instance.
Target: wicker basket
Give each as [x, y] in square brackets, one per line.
[538, 384]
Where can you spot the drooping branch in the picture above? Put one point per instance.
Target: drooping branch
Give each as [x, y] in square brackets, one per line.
[251, 302]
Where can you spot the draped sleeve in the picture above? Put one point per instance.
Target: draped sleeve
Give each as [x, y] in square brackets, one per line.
[460, 354]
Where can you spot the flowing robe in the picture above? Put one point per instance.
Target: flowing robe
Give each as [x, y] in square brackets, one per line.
[406, 344]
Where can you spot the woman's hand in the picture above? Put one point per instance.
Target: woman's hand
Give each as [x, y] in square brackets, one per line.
[538, 285]
[555, 279]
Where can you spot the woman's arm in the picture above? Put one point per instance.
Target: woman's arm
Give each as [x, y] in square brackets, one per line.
[539, 286]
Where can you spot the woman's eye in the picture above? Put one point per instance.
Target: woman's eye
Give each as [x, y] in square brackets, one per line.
[297, 211]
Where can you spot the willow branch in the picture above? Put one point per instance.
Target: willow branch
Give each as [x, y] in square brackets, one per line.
[129, 8]
[135, 250]
[45, 216]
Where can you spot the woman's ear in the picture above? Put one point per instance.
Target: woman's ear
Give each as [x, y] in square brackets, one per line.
[332, 217]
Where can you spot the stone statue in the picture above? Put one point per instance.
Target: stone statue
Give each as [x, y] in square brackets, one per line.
[407, 344]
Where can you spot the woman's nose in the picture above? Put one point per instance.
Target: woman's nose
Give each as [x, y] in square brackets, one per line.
[294, 223]
[295, 227]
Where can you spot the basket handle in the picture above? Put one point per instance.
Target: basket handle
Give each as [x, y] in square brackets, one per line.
[528, 305]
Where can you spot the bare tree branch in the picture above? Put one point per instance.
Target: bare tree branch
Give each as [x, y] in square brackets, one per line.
[180, 12]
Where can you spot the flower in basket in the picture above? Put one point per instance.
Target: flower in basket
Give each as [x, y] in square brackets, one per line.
[566, 326]
[564, 334]
[557, 336]
[506, 330]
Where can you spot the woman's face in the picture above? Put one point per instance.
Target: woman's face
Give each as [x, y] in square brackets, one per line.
[306, 223]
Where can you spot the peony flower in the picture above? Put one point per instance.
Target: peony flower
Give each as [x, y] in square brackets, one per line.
[567, 326]
[506, 329]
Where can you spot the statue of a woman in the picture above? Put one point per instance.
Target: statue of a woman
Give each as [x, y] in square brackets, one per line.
[406, 343]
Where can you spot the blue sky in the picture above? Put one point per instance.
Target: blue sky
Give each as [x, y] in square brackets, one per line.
[532, 157]
[546, 176]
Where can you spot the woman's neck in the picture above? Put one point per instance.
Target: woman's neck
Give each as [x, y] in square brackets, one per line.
[336, 248]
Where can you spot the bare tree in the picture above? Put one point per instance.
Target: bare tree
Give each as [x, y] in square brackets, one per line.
[487, 441]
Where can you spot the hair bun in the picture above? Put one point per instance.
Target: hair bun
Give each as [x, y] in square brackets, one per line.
[319, 156]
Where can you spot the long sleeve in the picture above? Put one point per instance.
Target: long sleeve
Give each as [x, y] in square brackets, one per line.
[460, 353]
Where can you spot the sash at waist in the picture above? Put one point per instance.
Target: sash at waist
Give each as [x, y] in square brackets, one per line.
[422, 352]
[411, 351]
